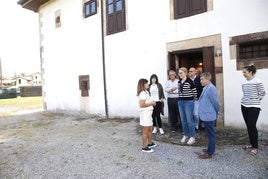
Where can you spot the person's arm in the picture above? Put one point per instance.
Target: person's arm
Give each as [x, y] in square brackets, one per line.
[261, 91]
[214, 99]
[143, 103]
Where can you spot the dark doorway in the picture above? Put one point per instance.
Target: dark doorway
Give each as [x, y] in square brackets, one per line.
[202, 59]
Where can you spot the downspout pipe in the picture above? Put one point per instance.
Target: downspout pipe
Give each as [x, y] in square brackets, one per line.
[103, 60]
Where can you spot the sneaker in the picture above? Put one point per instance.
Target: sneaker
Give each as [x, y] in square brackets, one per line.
[161, 131]
[147, 149]
[183, 140]
[191, 141]
[155, 130]
[152, 145]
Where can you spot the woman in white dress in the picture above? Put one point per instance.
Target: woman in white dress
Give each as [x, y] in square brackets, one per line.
[146, 110]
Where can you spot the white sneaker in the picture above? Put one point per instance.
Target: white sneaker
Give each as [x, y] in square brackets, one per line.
[191, 141]
[155, 130]
[161, 131]
[183, 140]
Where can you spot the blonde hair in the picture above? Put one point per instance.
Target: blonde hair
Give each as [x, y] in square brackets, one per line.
[184, 70]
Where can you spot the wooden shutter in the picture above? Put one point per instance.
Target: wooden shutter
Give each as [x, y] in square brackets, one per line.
[208, 62]
[116, 21]
[172, 62]
[120, 21]
[197, 6]
[181, 8]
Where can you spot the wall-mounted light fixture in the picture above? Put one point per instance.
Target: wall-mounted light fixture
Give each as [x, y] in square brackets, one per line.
[218, 52]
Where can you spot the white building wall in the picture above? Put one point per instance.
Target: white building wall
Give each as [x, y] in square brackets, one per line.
[242, 17]
[69, 51]
[138, 52]
[228, 18]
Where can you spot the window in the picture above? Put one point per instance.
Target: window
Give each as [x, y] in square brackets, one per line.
[84, 85]
[186, 8]
[116, 20]
[57, 19]
[253, 50]
[250, 49]
[90, 8]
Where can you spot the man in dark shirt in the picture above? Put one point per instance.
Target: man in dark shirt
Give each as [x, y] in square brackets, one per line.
[196, 79]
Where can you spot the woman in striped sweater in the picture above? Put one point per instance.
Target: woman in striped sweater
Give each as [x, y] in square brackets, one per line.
[253, 93]
[187, 94]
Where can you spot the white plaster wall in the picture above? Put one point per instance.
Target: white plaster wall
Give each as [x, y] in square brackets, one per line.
[136, 53]
[69, 51]
[139, 52]
[228, 18]
[240, 19]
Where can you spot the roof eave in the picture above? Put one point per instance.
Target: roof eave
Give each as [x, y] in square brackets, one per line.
[32, 5]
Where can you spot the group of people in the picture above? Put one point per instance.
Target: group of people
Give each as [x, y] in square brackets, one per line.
[191, 97]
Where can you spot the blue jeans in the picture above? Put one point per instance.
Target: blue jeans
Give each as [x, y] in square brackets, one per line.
[196, 116]
[186, 108]
[210, 132]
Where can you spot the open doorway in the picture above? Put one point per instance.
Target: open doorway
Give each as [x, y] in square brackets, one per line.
[202, 59]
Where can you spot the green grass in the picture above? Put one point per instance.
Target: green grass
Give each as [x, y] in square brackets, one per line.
[20, 103]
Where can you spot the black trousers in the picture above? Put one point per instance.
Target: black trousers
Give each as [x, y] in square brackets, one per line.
[251, 115]
[156, 115]
[173, 112]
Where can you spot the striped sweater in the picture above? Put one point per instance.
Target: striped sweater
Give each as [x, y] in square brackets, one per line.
[187, 90]
[253, 92]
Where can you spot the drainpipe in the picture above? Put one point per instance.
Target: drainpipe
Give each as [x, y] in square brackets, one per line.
[103, 60]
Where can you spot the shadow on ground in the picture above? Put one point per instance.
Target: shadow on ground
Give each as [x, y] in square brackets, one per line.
[225, 136]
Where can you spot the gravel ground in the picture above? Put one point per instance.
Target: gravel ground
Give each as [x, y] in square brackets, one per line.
[61, 145]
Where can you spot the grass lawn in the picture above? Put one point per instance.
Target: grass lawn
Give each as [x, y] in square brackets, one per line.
[12, 105]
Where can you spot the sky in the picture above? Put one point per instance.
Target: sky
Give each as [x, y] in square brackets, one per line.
[19, 39]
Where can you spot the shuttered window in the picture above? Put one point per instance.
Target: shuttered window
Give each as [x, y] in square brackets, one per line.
[186, 8]
[116, 17]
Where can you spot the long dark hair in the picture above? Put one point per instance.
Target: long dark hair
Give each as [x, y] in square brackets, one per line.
[251, 68]
[140, 86]
[153, 76]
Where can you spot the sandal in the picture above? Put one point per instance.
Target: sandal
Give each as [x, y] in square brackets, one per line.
[247, 147]
[253, 152]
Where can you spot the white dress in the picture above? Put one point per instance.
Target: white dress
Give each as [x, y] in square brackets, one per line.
[146, 113]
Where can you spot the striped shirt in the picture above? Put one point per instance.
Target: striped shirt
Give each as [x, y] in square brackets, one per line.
[187, 90]
[253, 92]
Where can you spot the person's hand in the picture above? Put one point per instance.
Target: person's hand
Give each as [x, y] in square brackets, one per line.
[172, 90]
[154, 103]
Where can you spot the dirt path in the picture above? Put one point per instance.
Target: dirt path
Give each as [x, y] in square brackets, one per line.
[62, 145]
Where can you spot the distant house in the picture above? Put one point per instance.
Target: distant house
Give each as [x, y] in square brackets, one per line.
[23, 80]
[93, 52]
[36, 77]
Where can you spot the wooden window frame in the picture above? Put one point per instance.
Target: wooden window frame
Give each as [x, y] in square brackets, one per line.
[57, 19]
[84, 85]
[115, 21]
[253, 50]
[250, 40]
[90, 4]
[188, 8]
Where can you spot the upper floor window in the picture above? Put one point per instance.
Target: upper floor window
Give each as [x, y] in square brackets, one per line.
[90, 8]
[186, 8]
[116, 20]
